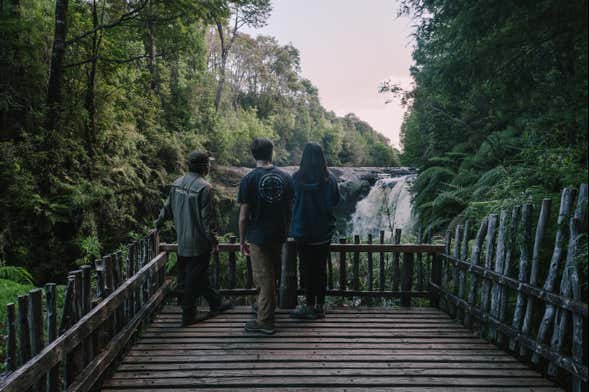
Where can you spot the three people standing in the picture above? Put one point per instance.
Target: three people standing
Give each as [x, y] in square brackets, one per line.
[267, 196]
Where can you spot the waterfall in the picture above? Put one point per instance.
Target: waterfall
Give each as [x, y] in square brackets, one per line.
[386, 207]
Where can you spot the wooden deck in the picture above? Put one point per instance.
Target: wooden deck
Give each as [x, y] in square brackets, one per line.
[375, 349]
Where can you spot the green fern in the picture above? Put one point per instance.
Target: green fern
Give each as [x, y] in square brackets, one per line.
[16, 274]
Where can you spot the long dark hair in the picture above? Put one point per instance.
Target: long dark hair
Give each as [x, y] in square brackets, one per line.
[313, 168]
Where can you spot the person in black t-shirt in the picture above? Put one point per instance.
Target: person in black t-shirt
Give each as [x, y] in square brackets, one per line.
[265, 196]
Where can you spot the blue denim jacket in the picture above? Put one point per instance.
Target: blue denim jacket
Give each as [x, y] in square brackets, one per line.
[313, 220]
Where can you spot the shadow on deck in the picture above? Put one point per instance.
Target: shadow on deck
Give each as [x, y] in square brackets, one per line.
[353, 349]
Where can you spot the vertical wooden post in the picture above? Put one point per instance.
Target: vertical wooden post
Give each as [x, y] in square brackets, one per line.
[23, 329]
[50, 297]
[396, 278]
[538, 237]
[342, 266]
[462, 272]
[436, 278]
[454, 310]
[356, 266]
[474, 260]
[381, 269]
[232, 265]
[329, 271]
[288, 276]
[509, 253]
[249, 278]
[499, 260]
[130, 273]
[216, 270]
[407, 276]
[488, 259]
[419, 262]
[444, 305]
[36, 328]
[86, 290]
[10, 359]
[524, 259]
[370, 266]
[568, 195]
[575, 227]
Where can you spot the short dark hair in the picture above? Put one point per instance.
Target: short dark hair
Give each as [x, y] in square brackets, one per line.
[262, 149]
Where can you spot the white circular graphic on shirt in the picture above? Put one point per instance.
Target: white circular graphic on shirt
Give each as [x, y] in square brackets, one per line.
[271, 187]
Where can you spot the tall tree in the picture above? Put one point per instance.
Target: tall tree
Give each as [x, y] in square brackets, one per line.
[251, 13]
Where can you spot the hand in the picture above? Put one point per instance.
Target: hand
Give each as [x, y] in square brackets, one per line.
[245, 248]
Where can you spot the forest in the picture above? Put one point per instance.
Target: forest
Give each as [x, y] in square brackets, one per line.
[101, 100]
[498, 112]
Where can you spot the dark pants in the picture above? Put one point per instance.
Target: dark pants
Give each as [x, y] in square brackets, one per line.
[196, 281]
[314, 261]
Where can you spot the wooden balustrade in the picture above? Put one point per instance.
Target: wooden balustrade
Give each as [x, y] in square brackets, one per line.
[506, 305]
[103, 306]
[353, 272]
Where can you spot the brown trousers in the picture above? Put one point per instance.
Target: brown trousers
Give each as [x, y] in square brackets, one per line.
[265, 269]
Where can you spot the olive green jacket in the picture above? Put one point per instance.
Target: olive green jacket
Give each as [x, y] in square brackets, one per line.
[190, 203]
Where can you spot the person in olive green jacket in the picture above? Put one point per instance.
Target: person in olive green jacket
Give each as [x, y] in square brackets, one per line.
[190, 203]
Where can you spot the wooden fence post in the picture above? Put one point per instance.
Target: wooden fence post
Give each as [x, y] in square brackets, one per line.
[407, 277]
[538, 237]
[436, 278]
[396, 278]
[381, 276]
[50, 297]
[356, 266]
[23, 329]
[288, 277]
[462, 272]
[419, 261]
[444, 305]
[10, 358]
[369, 277]
[488, 261]
[342, 267]
[575, 228]
[499, 260]
[454, 310]
[474, 260]
[36, 328]
[232, 265]
[524, 260]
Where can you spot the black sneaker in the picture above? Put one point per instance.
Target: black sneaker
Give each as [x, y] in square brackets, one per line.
[253, 326]
[225, 305]
[192, 317]
[304, 312]
[319, 311]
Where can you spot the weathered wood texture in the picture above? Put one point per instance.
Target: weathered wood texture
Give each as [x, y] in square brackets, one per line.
[514, 304]
[88, 324]
[367, 349]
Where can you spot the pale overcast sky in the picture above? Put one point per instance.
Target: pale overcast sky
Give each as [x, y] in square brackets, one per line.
[347, 47]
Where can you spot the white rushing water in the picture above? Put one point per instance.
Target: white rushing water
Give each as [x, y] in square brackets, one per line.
[386, 207]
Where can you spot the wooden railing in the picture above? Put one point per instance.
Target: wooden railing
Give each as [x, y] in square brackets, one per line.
[103, 307]
[495, 284]
[355, 269]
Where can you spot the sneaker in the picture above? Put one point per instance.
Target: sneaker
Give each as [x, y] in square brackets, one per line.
[190, 317]
[319, 311]
[225, 305]
[253, 326]
[304, 312]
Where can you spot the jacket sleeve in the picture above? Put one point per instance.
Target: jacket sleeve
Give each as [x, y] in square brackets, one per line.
[165, 213]
[208, 214]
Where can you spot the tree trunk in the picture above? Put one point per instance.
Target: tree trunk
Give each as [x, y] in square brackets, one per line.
[151, 49]
[54, 97]
[90, 101]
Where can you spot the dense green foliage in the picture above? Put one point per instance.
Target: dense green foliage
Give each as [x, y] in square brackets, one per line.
[96, 117]
[498, 114]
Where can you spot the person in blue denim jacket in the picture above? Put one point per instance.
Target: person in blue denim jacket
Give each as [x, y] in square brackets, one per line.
[312, 226]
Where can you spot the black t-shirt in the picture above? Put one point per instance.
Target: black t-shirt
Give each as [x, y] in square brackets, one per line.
[268, 192]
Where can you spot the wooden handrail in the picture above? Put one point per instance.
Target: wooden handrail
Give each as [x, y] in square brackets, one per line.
[81, 331]
[334, 247]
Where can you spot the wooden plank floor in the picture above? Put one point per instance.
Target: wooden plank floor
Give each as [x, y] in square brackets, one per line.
[369, 349]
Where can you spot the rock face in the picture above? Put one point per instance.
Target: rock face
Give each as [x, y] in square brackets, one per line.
[354, 183]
